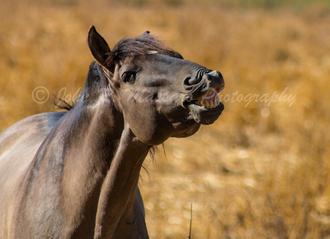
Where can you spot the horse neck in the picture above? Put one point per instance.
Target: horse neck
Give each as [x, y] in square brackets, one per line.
[102, 163]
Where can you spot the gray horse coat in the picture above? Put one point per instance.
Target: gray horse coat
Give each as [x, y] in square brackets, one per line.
[74, 174]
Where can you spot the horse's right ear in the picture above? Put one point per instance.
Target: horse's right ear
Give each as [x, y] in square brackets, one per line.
[98, 46]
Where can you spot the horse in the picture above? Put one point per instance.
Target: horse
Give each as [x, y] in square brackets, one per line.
[74, 174]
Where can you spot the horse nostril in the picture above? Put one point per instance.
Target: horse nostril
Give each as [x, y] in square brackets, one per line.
[191, 81]
[186, 81]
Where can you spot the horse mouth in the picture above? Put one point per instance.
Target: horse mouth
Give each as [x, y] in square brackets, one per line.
[210, 99]
[206, 108]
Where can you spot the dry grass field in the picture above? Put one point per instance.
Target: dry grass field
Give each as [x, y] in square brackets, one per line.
[263, 169]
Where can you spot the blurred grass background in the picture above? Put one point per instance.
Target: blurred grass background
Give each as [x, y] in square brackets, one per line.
[262, 170]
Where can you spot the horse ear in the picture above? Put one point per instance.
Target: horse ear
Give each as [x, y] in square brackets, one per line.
[98, 46]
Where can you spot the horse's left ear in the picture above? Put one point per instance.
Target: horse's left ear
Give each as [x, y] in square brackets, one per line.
[98, 46]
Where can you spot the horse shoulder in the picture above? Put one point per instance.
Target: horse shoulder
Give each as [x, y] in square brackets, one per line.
[18, 146]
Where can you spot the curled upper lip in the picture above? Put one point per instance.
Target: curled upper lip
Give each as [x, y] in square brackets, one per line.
[198, 90]
[191, 98]
[218, 87]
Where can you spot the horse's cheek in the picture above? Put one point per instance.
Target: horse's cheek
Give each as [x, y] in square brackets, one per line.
[147, 125]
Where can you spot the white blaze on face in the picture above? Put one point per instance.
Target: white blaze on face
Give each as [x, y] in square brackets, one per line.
[210, 99]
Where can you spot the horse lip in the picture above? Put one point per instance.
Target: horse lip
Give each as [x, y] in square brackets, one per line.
[194, 99]
[219, 88]
[202, 115]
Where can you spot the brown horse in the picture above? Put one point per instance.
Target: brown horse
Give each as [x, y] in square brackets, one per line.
[74, 174]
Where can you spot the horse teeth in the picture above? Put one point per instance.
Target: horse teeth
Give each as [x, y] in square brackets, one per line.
[210, 99]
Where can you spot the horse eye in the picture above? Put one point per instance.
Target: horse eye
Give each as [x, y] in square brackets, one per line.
[129, 77]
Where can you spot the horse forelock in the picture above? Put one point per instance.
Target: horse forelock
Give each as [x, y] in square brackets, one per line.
[141, 45]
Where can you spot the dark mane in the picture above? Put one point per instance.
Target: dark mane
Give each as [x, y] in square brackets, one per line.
[62, 104]
[141, 45]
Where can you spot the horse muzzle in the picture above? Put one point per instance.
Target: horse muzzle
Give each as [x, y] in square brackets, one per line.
[203, 100]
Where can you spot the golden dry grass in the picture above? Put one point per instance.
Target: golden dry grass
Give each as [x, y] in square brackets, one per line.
[262, 170]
